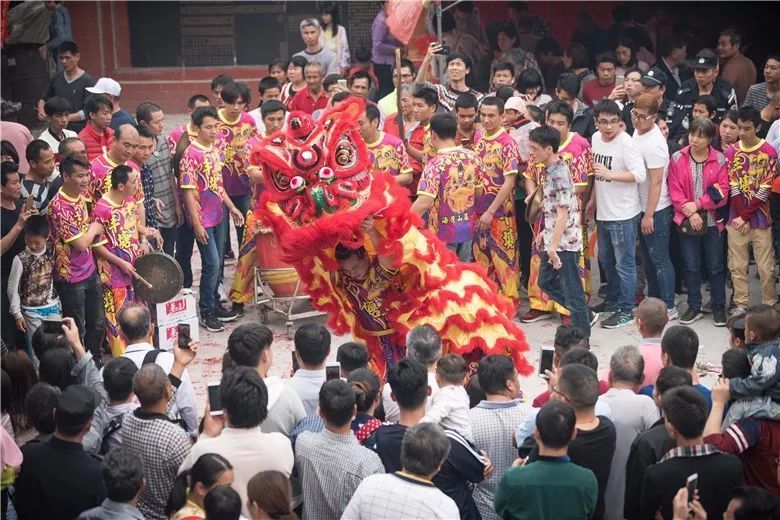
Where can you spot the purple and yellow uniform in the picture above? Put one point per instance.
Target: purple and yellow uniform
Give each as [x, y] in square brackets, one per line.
[120, 236]
[451, 178]
[496, 248]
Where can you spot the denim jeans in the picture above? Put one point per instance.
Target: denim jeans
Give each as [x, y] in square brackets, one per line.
[565, 287]
[617, 246]
[185, 241]
[659, 270]
[692, 248]
[211, 254]
[83, 301]
[463, 250]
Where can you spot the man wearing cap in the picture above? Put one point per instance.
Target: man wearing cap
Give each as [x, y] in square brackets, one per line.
[654, 82]
[705, 82]
[58, 479]
[111, 89]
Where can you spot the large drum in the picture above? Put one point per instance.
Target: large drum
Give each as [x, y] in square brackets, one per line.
[279, 276]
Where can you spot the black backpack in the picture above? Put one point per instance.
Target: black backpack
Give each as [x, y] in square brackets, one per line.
[115, 424]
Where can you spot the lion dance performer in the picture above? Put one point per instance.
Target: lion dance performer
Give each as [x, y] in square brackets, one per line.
[360, 252]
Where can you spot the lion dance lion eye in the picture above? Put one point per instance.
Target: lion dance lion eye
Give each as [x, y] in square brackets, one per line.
[344, 153]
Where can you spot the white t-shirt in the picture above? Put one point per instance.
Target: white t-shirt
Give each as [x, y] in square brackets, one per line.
[618, 200]
[655, 153]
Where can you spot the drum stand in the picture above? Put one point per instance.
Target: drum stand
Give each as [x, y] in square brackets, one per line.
[266, 301]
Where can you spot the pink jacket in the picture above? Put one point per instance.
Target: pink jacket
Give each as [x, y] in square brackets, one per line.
[680, 183]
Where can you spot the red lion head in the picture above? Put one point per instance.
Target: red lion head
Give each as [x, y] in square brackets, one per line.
[316, 167]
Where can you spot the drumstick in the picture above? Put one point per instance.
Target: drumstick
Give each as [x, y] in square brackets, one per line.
[143, 280]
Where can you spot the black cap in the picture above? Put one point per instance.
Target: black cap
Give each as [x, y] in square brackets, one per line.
[705, 59]
[654, 77]
[75, 406]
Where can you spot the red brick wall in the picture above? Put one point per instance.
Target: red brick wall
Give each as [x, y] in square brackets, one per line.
[105, 51]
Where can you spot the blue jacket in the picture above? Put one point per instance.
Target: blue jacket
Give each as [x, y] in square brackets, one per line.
[764, 378]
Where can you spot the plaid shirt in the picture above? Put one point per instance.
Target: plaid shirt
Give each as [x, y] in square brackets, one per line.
[147, 184]
[161, 165]
[331, 467]
[162, 445]
[700, 450]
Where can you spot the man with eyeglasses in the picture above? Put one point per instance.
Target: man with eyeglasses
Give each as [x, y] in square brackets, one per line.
[657, 208]
[619, 169]
[388, 104]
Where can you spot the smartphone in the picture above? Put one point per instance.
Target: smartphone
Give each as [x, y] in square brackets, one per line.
[691, 484]
[619, 80]
[215, 401]
[294, 362]
[332, 370]
[183, 331]
[545, 360]
[52, 327]
[444, 51]
[341, 83]
[28, 202]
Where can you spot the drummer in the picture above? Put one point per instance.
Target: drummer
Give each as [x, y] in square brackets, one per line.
[123, 240]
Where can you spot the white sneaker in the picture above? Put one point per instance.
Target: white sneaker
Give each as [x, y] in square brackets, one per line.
[222, 294]
[672, 314]
[186, 291]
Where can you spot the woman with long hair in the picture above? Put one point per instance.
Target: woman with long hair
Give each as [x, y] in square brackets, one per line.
[269, 495]
[334, 37]
[21, 374]
[191, 487]
[625, 52]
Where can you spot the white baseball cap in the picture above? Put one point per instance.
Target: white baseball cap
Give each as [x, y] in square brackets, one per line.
[515, 103]
[106, 86]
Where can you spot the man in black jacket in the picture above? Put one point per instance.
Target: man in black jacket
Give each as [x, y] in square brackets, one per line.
[704, 83]
[651, 445]
[567, 90]
[58, 479]
[673, 51]
[685, 415]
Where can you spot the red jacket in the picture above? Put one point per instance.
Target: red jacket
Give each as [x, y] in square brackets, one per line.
[96, 144]
[680, 183]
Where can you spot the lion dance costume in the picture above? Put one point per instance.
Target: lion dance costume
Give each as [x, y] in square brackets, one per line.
[318, 192]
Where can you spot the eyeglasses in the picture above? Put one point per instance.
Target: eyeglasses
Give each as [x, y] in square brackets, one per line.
[640, 117]
[604, 122]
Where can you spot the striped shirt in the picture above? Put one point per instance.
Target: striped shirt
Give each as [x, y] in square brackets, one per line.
[160, 163]
[331, 466]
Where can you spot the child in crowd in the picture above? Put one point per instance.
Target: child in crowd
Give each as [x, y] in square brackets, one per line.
[30, 285]
[450, 405]
[757, 391]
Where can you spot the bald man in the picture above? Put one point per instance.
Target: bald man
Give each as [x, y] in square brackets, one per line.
[121, 150]
[651, 318]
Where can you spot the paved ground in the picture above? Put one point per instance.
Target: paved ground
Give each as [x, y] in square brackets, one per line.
[603, 342]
